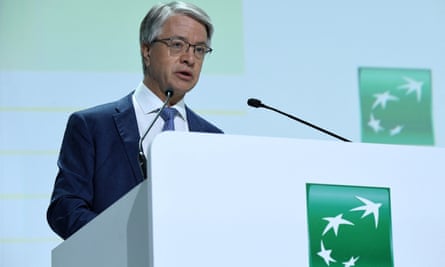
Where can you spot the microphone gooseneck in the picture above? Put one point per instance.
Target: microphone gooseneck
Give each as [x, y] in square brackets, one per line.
[253, 102]
[141, 157]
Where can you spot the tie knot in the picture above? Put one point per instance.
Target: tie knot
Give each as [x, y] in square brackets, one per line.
[168, 115]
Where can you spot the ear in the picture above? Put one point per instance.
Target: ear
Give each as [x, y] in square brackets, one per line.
[145, 51]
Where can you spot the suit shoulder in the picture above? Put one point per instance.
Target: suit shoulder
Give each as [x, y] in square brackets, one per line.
[199, 124]
[105, 109]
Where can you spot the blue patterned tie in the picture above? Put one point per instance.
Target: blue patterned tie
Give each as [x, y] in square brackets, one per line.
[168, 115]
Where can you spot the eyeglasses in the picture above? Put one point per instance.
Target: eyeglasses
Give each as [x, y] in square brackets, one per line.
[178, 45]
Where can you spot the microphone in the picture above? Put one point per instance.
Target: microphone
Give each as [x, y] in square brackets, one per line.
[141, 157]
[258, 104]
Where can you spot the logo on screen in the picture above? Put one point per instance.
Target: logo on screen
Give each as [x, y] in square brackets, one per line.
[396, 106]
[349, 226]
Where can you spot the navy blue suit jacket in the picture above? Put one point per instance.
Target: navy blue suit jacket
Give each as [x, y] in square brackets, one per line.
[98, 162]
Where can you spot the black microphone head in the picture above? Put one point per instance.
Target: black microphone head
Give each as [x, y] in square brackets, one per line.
[253, 102]
[169, 92]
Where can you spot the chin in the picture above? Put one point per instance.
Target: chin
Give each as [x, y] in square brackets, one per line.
[184, 88]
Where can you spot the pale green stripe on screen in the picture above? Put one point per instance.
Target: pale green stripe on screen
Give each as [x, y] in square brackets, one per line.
[39, 109]
[21, 196]
[26, 152]
[72, 109]
[29, 240]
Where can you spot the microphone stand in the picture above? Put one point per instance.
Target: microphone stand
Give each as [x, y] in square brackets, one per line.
[258, 104]
[141, 157]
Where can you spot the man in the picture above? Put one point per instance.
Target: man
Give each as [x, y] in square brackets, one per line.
[98, 161]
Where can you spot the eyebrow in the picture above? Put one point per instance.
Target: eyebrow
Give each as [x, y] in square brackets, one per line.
[185, 39]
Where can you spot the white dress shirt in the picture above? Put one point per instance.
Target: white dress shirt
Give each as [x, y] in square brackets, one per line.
[146, 105]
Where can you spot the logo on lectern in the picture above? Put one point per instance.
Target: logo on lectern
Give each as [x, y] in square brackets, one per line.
[349, 226]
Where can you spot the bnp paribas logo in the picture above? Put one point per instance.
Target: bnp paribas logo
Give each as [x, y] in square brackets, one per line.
[349, 226]
[396, 106]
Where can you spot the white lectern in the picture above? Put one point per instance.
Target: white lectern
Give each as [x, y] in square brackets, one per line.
[225, 200]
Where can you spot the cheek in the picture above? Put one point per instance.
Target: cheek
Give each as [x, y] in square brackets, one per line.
[160, 67]
[198, 70]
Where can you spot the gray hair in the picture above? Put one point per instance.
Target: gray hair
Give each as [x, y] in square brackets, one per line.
[153, 22]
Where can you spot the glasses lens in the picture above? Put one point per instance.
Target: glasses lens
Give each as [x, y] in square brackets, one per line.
[177, 45]
[200, 50]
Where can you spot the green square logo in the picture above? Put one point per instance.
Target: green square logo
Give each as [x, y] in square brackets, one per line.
[396, 106]
[349, 226]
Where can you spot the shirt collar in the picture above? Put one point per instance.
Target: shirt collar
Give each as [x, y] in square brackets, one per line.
[150, 103]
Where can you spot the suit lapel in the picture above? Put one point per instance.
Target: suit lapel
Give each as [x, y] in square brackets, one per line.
[126, 123]
[194, 125]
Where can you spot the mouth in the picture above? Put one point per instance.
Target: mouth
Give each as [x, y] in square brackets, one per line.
[185, 75]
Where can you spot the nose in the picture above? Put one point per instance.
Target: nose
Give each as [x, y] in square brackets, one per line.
[188, 56]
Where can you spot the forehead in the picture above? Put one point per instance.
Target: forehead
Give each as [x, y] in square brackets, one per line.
[184, 26]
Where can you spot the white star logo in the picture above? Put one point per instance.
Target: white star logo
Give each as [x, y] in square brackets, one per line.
[351, 262]
[334, 223]
[396, 130]
[369, 208]
[325, 254]
[382, 99]
[375, 124]
[411, 86]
